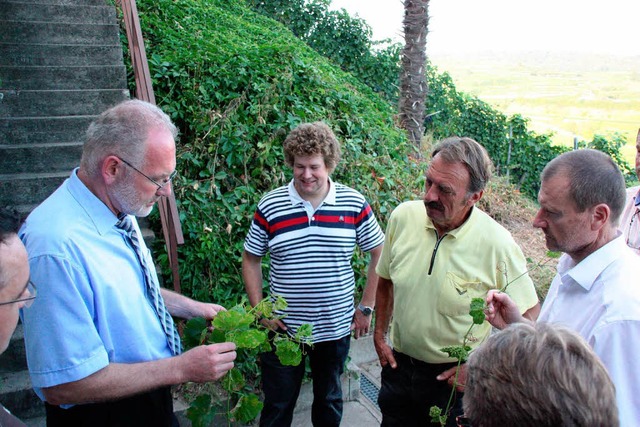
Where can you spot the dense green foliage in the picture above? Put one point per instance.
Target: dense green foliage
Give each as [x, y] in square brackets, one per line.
[236, 83]
[344, 39]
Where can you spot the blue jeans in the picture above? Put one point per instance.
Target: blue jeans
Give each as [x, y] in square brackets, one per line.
[281, 385]
[411, 389]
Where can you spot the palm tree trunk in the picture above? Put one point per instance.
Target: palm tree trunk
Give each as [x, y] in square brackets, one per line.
[413, 86]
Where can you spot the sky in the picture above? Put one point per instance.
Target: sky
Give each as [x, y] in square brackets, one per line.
[467, 26]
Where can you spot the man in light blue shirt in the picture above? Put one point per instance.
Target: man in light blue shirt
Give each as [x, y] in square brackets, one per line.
[101, 347]
[596, 291]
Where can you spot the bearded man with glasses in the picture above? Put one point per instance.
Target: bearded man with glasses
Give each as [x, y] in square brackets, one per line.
[102, 347]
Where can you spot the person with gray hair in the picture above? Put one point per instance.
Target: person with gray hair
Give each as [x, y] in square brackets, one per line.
[102, 347]
[439, 253]
[16, 289]
[538, 376]
[595, 292]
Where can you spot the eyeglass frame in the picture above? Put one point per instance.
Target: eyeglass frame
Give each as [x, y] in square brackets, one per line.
[160, 186]
[33, 292]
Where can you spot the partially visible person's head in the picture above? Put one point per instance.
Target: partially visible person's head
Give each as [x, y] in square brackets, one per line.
[455, 180]
[538, 376]
[14, 275]
[131, 148]
[312, 139]
[582, 195]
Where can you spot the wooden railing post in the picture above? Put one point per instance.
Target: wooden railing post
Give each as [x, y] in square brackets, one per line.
[171, 227]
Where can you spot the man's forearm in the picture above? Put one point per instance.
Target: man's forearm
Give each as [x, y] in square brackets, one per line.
[116, 381]
[369, 292]
[384, 307]
[252, 277]
[179, 305]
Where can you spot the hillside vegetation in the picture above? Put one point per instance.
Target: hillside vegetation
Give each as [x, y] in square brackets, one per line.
[236, 82]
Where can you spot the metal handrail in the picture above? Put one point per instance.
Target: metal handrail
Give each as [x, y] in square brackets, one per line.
[171, 227]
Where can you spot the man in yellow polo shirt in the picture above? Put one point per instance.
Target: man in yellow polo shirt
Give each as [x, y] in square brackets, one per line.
[438, 254]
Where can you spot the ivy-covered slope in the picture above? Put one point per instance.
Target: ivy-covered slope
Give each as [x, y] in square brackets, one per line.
[236, 83]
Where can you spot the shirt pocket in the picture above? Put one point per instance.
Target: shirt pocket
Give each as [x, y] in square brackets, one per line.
[456, 294]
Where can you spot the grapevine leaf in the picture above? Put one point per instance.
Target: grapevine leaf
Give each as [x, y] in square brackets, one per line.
[288, 352]
[304, 333]
[476, 311]
[265, 347]
[233, 319]
[217, 336]
[457, 351]
[195, 331]
[250, 338]
[201, 413]
[265, 307]
[234, 380]
[247, 408]
[280, 303]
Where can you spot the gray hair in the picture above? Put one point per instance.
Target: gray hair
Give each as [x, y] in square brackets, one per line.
[471, 154]
[122, 131]
[537, 376]
[594, 178]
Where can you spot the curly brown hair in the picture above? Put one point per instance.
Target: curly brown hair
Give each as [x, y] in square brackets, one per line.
[310, 139]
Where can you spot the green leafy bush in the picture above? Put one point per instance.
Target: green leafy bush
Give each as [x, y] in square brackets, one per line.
[235, 83]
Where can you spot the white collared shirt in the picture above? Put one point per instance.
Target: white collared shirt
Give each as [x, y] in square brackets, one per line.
[600, 299]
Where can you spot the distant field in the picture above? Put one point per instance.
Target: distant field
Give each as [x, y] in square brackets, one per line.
[573, 95]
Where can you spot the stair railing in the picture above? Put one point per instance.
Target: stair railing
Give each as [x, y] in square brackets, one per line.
[171, 227]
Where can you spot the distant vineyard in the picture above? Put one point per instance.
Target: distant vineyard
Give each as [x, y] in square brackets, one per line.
[575, 95]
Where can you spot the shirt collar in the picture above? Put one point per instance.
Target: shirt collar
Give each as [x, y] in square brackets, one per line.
[99, 214]
[296, 199]
[586, 272]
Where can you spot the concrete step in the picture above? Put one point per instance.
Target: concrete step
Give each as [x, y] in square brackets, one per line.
[29, 189]
[63, 78]
[41, 130]
[24, 32]
[35, 12]
[39, 158]
[14, 357]
[17, 395]
[16, 54]
[68, 2]
[39, 103]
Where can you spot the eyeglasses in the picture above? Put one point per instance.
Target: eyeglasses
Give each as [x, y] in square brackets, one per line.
[160, 186]
[31, 290]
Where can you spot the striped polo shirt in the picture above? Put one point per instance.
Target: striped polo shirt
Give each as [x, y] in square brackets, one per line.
[311, 254]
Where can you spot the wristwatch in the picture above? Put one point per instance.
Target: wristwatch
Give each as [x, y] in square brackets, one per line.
[366, 310]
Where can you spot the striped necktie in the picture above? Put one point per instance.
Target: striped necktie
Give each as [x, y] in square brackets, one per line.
[153, 288]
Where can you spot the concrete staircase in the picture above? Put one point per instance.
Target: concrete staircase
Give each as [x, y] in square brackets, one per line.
[61, 64]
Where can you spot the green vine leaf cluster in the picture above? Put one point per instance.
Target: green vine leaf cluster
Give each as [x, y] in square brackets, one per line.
[241, 325]
[477, 308]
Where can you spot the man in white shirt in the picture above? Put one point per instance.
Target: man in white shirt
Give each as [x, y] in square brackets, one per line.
[596, 291]
[630, 219]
